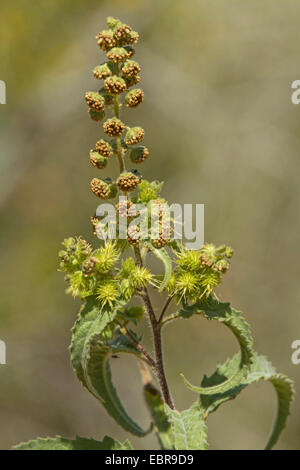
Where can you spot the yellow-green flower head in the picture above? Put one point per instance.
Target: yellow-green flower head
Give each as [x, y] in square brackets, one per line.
[113, 127]
[101, 72]
[115, 85]
[148, 191]
[134, 136]
[95, 101]
[134, 98]
[97, 160]
[118, 54]
[130, 69]
[106, 39]
[104, 148]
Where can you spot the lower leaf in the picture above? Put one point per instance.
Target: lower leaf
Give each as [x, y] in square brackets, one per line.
[80, 443]
[189, 428]
[261, 369]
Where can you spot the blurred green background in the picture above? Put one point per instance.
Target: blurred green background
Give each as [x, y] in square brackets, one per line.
[222, 131]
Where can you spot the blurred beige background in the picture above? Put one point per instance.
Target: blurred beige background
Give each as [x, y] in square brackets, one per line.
[222, 131]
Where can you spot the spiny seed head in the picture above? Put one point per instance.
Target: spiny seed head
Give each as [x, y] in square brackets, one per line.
[140, 277]
[134, 98]
[97, 160]
[132, 81]
[115, 85]
[118, 54]
[103, 71]
[128, 181]
[95, 101]
[187, 285]
[114, 127]
[134, 136]
[107, 257]
[96, 115]
[209, 280]
[106, 39]
[139, 154]
[100, 188]
[104, 148]
[107, 292]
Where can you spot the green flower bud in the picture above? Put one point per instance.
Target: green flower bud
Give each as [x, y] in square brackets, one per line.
[139, 154]
[208, 281]
[103, 71]
[128, 181]
[134, 98]
[134, 136]
[140, 277]
[118, 54]
[115, 85]
[97, 160]
[112, 22]
[130, 69]
[95, 101]
[96, 115]
[106, 39]
[104, 148]
[187, 286]
[114, 127]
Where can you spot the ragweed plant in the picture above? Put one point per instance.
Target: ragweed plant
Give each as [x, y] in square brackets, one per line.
[115, 282]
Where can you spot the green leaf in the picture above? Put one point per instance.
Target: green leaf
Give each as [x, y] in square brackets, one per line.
[91, 349]
[189, 428]
[261, 369]
[162, 426]
[60, 443]
[164, 257]
[211, 309]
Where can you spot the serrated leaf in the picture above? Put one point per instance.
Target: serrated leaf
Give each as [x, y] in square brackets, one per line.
[211, 309]
[80, 443]
[164, 257]
[261, 369]
[162, 425]
[90, 353]
[189, 428]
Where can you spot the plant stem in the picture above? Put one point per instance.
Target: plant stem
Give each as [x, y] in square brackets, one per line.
[139, 346]
[118, 139]
[165, 309]
[160, 372]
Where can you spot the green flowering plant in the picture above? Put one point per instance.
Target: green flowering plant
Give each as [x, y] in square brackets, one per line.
[114, 282]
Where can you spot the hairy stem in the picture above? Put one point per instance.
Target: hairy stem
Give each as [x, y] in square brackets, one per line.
[160, 372]
[139, 347]
[118, 139]
[165, 309]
